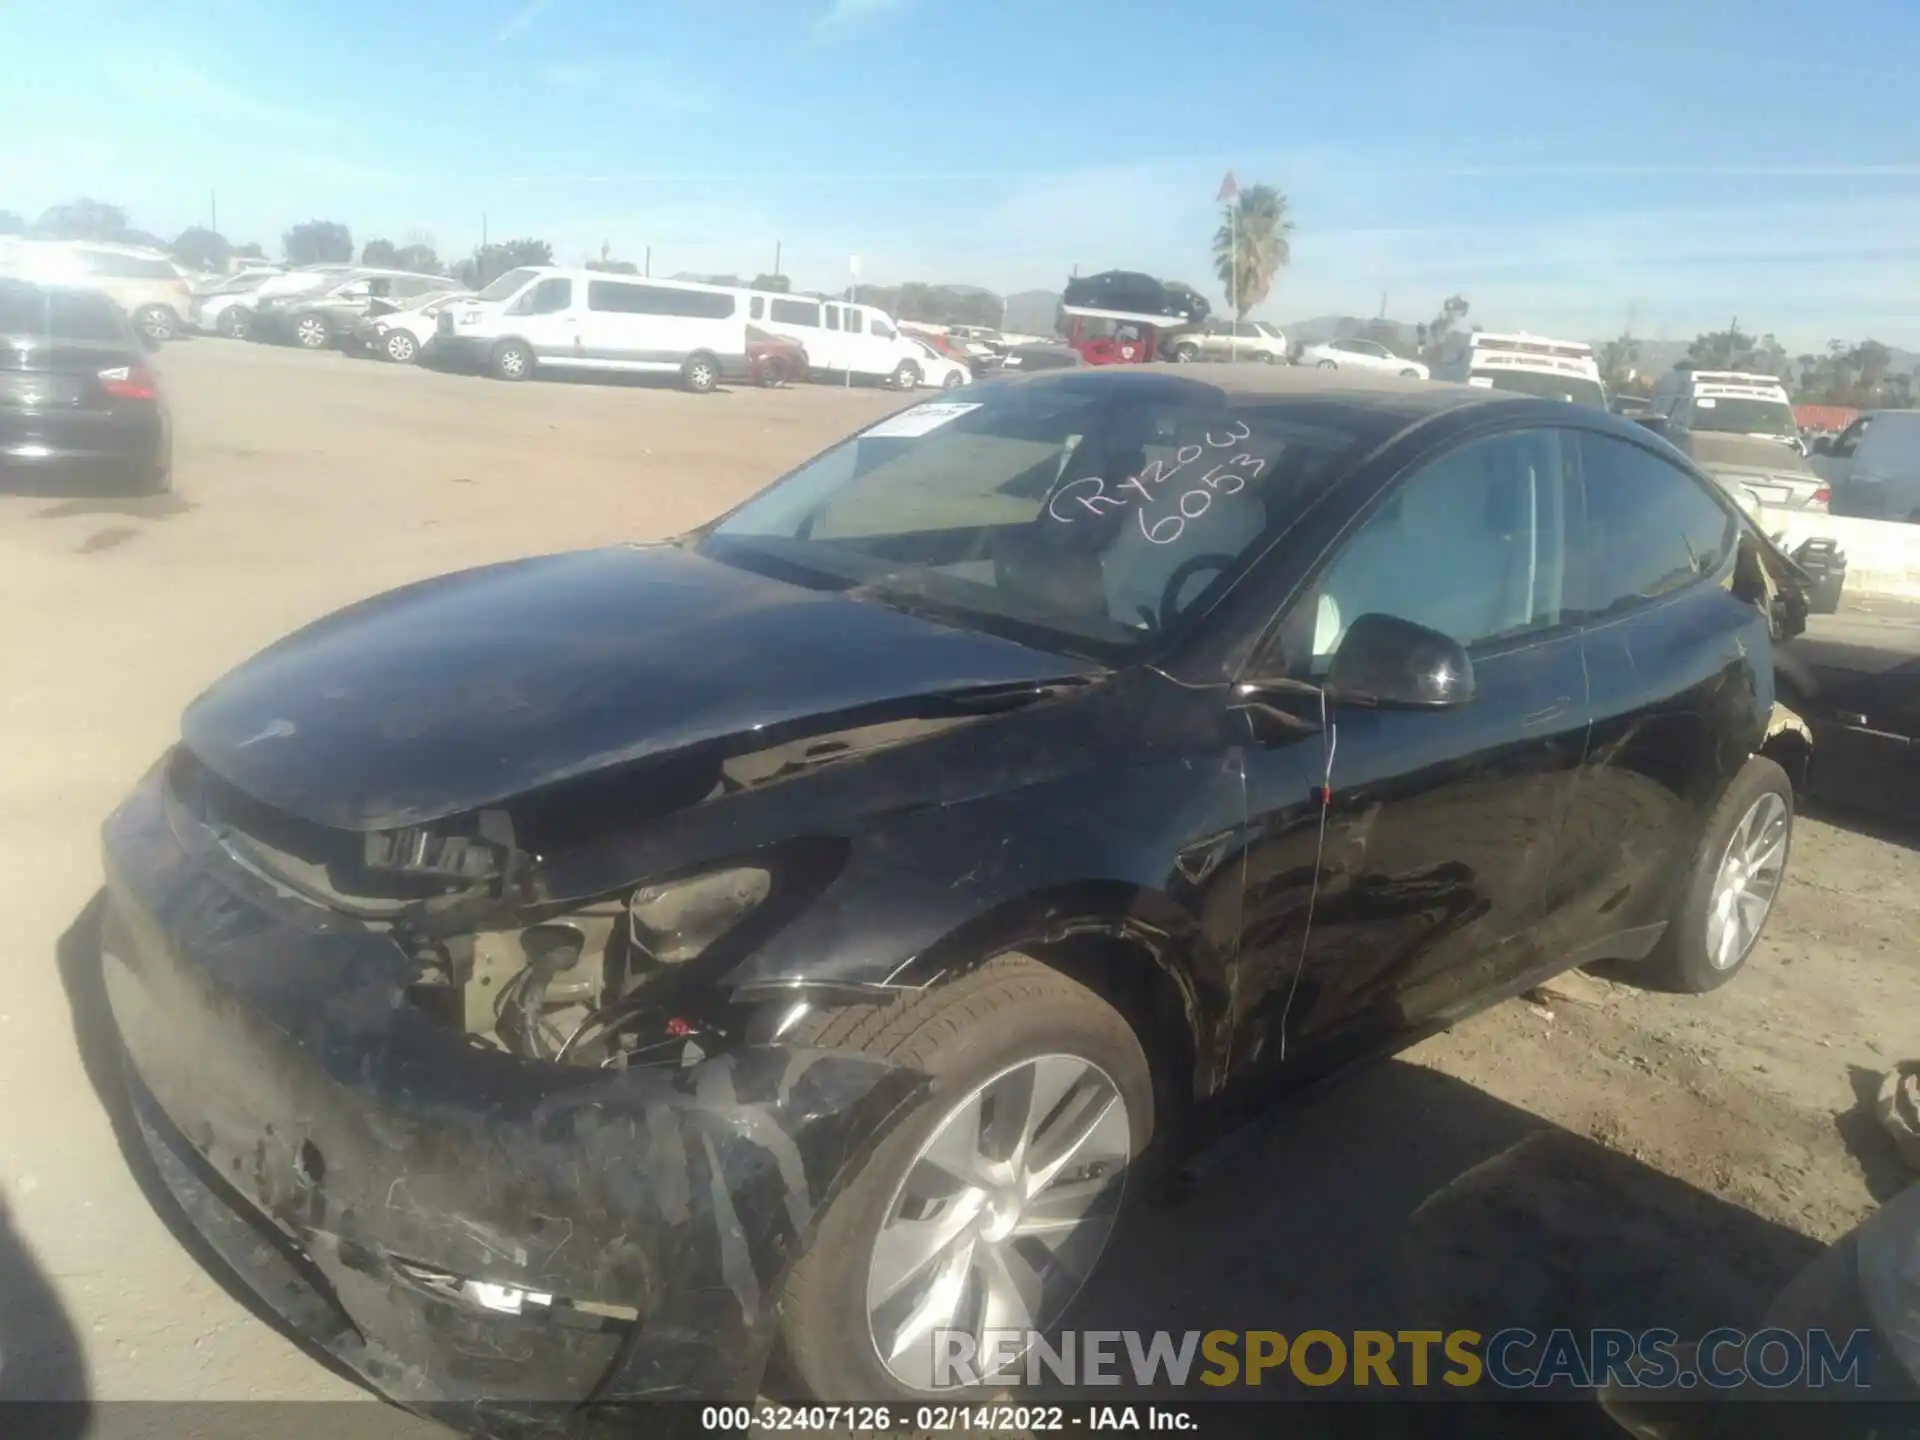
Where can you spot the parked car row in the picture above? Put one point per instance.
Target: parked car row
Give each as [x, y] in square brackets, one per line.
[153, 290]
[562, 319]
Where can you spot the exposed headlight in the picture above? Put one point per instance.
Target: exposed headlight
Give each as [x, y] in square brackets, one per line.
[676, 921]
[467, 317]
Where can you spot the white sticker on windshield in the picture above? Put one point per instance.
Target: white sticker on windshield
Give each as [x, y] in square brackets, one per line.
[1705, 402]
[1480, 382]
[918, 420]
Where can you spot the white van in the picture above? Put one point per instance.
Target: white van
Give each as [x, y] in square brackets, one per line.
[153, 290]
[1748, 404]
[1523, 363]
[543, 316]
[840, 336]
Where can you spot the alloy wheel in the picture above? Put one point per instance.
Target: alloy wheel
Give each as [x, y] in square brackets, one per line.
[311, 332]
[1002, 1215]
[1747, 881]
[400, 346]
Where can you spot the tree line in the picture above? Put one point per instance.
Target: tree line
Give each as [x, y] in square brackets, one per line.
[1855, 373]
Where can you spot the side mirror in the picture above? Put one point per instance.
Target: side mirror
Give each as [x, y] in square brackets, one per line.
[1394, 664]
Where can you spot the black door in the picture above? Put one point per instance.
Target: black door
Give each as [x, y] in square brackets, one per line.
[1428, 888]
[1681, 680]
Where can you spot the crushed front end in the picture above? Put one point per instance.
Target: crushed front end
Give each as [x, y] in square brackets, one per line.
[462, 1212]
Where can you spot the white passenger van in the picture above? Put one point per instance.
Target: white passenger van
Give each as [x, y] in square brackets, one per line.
[1526, 364]
[547, 317]
[840, 336]
[1748, 404]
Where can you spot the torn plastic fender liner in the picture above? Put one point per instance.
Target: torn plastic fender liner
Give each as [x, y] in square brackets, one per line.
[277, 1041]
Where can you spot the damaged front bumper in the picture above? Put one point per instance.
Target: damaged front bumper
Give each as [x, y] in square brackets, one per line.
[456, 1225]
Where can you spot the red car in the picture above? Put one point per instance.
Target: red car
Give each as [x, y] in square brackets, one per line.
[774, 360]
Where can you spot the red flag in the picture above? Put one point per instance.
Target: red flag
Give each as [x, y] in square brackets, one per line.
[1229, 188]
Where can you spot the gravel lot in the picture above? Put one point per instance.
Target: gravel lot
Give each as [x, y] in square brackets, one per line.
[1658, 1156]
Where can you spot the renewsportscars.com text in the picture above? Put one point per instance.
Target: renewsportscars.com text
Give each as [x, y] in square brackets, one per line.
[1510, 1359]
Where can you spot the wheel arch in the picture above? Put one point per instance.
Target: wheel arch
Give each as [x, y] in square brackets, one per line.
[1133, 946]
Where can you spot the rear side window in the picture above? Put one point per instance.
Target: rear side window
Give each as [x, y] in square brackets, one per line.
[549, 297]
[757, 308]
[60, 314]
[833, 317]
[796, 312]
[1651, 528]
[622, 299]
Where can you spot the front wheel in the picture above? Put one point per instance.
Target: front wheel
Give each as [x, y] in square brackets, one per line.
[1736, 877]
[991, 1203]
[906, 377]
[511, 360]
[700, 374]
[400, 347]
[310, 332]
[233, 322]
[1409, 374]
[1328, 365]
[157, 322]
[953, 381]
[1186, 354]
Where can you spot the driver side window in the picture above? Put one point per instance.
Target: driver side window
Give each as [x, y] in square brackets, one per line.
[1473, 544]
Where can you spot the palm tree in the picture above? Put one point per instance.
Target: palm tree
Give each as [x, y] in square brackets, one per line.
[1251, 246]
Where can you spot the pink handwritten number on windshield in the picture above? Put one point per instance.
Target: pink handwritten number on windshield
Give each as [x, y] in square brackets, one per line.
[1228, 477]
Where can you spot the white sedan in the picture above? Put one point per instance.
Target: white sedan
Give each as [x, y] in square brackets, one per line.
[402, 329]
[936, 369]
[1361, 355]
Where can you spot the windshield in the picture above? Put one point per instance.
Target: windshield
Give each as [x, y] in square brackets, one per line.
[1097, 514]
[506, 285]
[1574, 389]
[1739, 416]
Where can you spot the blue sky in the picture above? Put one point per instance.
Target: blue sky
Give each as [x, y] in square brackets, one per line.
[1566, 166]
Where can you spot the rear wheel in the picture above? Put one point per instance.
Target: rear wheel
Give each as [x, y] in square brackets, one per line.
[991, 1203]
[1742, 861]
[700, 374]
[1328, 365]
[233, 322]
[400, 347]
[511, 360]
[1187, 353]
[157, 322]
[1409, 374]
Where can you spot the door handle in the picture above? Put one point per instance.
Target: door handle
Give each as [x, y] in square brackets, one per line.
[1547, 716]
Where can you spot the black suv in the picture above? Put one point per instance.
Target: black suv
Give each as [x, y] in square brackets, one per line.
[593, 975]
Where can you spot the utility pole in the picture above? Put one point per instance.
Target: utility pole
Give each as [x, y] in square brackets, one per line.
[213, 212]
[647, 268]
[776, 257]
[483, 230]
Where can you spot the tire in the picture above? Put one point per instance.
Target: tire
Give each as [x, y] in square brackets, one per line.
[311, 332]
[400, 347]
[1409, 374]
[773, 374]
[157, 322]
[701, 373]
[510, 360]
[973, 1037]
[1757, 806]
[906, 376]
[1186, 354]
[233, 322]
[1328, 365]
[953, 381]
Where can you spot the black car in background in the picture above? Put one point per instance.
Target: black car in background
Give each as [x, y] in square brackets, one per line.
[314, 320]
[80, 408]
[604, 975]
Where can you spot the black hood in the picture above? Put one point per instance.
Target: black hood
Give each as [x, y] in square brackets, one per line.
[466, 690]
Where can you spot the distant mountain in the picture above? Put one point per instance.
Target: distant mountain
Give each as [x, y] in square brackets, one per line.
[1341, 327]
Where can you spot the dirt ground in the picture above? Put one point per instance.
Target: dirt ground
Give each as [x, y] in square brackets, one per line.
[1654, 1155]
